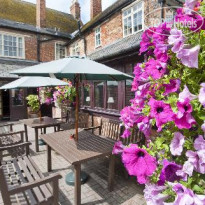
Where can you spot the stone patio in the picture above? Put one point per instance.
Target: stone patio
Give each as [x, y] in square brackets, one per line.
[94, 191]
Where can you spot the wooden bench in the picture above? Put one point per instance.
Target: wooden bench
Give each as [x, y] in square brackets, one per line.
[23, 183]
[113, 129]
[6, 127]
[83, 122]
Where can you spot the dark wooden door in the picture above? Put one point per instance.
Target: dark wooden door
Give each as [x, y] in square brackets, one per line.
[18, 104]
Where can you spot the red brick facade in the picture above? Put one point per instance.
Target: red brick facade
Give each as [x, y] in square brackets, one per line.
[75, 9]
[95, 8]
[41, 13]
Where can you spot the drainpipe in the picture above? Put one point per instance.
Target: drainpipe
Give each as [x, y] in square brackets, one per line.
[38, 48]
[82, 37]
[163, 2]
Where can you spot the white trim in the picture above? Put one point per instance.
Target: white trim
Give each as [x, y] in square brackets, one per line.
[132, 19]
[96, 46]
[17, 42]
[60, 43]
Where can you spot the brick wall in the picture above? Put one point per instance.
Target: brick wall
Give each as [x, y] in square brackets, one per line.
[47, 48]
[112, 28]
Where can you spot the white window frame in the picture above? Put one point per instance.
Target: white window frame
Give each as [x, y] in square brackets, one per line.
[75, 49]
[17, 36]
[98, 32]
[59, 43]
[132, 15]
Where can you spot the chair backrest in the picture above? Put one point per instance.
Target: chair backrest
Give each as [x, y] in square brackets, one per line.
[111, 129]
[83, 120]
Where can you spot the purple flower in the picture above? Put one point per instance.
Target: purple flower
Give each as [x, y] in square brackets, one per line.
[172, 87]
[189, 6]
[176, 146]
[186, 94]
[184, 196]
[160, 52]
[126, 133]
[147, 40]
[189, 57]
[138, 163]
[168, 172]
[129, 116]
[176, 39]
[186, 171]
[184, 107]
[184, 122]
[199, 143]
[145, 126]
[155, 68]
[202, 94]
[161, 111]
[118, 148]
[197, 159]
[153, 195]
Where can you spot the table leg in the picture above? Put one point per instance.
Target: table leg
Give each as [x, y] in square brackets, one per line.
[77, 169]
[111, 172]
[44, 130]
[26, 132]
[49, 159]
[36, 139]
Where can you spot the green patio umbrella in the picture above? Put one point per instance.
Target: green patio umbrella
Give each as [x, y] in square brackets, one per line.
[33, 82]
[74, 68]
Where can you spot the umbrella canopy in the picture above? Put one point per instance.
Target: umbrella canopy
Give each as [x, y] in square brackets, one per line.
[69, 67]
[33, 82]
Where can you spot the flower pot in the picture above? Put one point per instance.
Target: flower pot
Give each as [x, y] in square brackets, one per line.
[32, 114]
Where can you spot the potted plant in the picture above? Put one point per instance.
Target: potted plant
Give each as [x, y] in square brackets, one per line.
[63, 98]
[34, 106]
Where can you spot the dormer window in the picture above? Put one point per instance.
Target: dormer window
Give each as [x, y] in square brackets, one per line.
[60, 51]
[11, 46]
[97, 37]
[133, 19]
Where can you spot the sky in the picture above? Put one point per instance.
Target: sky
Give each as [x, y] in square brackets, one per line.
[64, 5]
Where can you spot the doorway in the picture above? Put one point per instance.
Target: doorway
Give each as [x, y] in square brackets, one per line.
[5, 105]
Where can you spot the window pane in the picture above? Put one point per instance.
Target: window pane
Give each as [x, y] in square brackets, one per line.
[17, 97]
[98, 94]
[86, 89]
[60, 51]
[129, 94]
[112, 95]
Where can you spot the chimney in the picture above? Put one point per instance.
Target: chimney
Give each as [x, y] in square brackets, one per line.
[95, 8]
[41, 13]
[75, 9]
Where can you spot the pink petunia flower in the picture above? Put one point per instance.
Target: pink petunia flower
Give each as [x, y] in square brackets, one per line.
[126, 133]
[138, 163]
[197, 160]
[176, 146]
[199, 143]
[161, 111]
[177, 39]
[202, 94]
[118, 148]
[189, 56]
[186, 171]
[186, 94]
[153, 194]
[155, 68]
[183, 119]
[172, 87]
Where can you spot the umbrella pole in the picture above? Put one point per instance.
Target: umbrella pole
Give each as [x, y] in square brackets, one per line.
[77, 107]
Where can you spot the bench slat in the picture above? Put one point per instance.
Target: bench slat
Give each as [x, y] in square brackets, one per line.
[36, 190]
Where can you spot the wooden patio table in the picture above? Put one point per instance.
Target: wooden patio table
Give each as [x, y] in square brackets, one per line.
[88, 147]
[37, 124]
